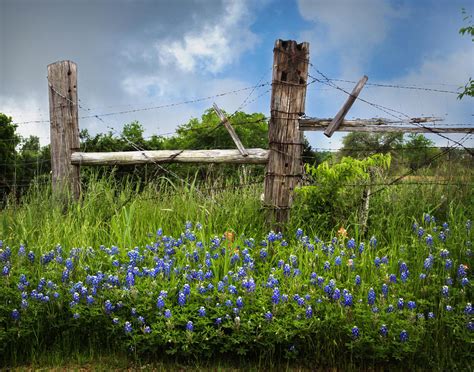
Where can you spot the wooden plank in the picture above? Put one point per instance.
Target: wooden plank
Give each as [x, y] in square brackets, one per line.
[285, 165]
[230, 129]
[64, 127]
[377, 125]
[336, 122]
[255, 156]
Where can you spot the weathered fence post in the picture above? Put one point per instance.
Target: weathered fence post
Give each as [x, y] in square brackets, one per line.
[285, 166]
[64, 127]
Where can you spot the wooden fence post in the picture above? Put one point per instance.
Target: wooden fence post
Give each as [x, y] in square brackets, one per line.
[64, 127]
[285, 166]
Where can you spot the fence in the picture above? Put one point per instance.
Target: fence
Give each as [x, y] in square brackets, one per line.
[283, 158]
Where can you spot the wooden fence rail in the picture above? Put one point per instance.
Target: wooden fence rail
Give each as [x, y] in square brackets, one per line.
[283, 159]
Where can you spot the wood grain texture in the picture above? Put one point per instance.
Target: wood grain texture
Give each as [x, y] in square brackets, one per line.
[255, 156]
[336, 122]
[230, 129]
[285, 166]
[378, 125]
[64, 126]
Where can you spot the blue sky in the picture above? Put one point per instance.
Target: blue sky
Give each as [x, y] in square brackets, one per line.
[134, 54]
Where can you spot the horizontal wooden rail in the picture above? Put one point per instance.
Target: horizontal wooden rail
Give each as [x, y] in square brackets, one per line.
[255, 156]
[377, 126]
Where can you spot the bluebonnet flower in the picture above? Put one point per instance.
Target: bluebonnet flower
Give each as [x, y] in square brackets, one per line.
[147, 329]
[239, 302]
[284, 297]
[189, 326]
[404, 276]
[15, 314]
[445, 291]
[355, 332]
[470, 326]
[449, 281]
[429, 240]
[351, 243]
[377, 262]
[5, 270]
[309, 312]
[202, 311]
[186, 289]
[160, 303]
[383, 330]
[286, 270]
[338, 261]
[422, 276]
[449, 308]
[357, 280]
[181, 299]
[336, 294]
[276, 296]
[263, 253]
[229, 303]
[268, 316]
[300, 301]
[347, 297]
[299, 233]
[375, 309]
[442, 236]
[420, 232]
[31, 256]
[90, 300]
[141, 319]
[426, 217]
[390, 309]
[128, 327]
[400, 303]
[76, 316]
[403, 267]
[24, 304]
[403, 336]
[468, 225]
[373, 242]
[411, 305]
[385, 290]
[284, 243]
[464, 281]
[218, 321]
[371, 296]
[21, 250]
[361, 248]
[462, 271]
[327, 266]
[431, 315]
[167, 313]
[469, 310]
[232, 289]
[448, 264]
[428, 264]
[392, 278]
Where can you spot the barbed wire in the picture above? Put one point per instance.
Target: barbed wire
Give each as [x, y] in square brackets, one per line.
[387, 110]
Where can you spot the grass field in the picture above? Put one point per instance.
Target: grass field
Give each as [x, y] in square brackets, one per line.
[167, 275]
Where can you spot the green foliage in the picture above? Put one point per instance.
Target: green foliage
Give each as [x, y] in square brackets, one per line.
[337, 188]
[8, 142]
[469, 30]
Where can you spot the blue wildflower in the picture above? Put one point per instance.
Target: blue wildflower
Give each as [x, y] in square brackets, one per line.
[371, 296]
[309, 312]
[403, 336]
[357, 280]
[189, 326]
[355, 332]
[167, 313]
[202, 311]
[268, 316]
[128, 327]
[445, 291]
[383, 330]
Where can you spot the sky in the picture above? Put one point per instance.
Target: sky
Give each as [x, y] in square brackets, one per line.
[137, 54]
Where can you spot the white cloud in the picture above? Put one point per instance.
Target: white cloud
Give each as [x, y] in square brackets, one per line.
[26, 110]
[453, 69]
[214, 45]
[347, 27]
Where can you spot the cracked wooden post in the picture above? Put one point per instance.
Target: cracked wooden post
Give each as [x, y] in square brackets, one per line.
[285, 165]
[64, 127]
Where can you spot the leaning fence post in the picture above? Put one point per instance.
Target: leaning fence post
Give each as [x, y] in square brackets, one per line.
[285, 166]
[64, 127]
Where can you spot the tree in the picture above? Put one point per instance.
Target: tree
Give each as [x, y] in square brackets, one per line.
[469, 29]
[362, 144]
[9, 140]
[418, 150]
